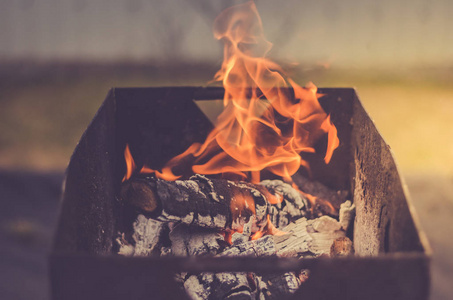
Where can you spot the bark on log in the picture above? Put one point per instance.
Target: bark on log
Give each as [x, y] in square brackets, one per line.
[214, 203]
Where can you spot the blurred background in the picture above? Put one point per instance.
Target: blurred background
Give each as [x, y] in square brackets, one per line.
[59, 58]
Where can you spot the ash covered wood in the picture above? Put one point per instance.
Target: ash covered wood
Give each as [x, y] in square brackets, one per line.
[293, 204]
[307, 238]
[189, 240]
[146, 238]
[228, 285]
[202, 216]
[278, 286]
[215, 203]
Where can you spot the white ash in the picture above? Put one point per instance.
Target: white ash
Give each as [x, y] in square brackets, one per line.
[346, 214]
[260, 247]
[201, 287]
[212, 193]
[146, 236]
[296, 241]
[277, 286]
[189, 241]
[244, 236]
[216, 285]
[165, 217]
[198, 287]
[189, 184]
[195, 235]
[325, 224]
[217, 221]
[312, 237]
[126, 249]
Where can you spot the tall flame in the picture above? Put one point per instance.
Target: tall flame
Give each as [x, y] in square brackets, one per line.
[264, 125]
[267, 122]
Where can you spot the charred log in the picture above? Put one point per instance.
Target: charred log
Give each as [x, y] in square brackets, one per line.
[292, 205]
[277, 286]
[227, 285]
[214, 203]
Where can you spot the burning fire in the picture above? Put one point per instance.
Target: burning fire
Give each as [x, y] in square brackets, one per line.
[268, 120]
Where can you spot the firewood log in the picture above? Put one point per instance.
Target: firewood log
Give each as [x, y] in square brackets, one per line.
[277, 286]
[293, 205]
[241, 285]
[214, 203]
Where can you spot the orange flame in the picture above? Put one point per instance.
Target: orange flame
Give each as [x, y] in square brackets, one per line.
[268, 229]
[130, 164]
[267, 122]
[242, 204]
[264, 125]
[314, 201]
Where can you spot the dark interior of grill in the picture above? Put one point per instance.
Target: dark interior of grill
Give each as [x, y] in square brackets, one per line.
[159, 123]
